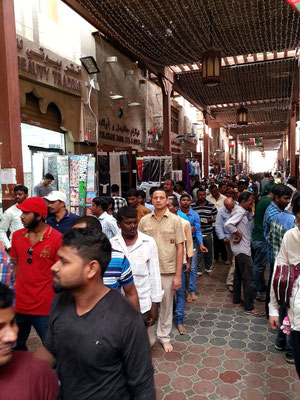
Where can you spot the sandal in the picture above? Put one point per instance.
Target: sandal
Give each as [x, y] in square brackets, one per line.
[255, 313]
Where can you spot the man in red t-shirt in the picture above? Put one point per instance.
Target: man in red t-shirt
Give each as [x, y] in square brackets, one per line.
[33, 252]
[21, 375]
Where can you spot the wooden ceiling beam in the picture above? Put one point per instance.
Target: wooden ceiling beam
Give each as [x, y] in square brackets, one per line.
[181, 67]
[226, 61]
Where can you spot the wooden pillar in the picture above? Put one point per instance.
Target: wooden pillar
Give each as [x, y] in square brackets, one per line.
[292, 140]
[10, 119]
[236, 153]
[166, 82]
[284, 153]
[246, 159]
[242, 156]
[206, 152]
[227, 152]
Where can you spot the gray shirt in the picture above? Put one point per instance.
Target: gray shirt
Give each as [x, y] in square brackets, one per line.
[239, 221]
[41, 190]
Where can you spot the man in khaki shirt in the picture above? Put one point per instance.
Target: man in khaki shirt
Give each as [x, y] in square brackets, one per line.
[167, 231]
[173, 206]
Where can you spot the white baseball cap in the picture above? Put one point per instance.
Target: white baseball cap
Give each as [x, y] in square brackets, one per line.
[56, 195]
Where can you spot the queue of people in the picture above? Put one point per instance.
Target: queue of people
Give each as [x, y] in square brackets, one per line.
[151, 254]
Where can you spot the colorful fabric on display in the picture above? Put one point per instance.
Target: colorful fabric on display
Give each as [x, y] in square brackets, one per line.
[83, 164]
[252, 140]
[63, 176]
[91, 173]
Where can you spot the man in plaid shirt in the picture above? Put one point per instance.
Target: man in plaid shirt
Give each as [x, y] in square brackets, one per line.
[119, 201]
[6, 269]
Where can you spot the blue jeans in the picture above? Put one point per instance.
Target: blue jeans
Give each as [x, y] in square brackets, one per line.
[180, 299]
[194, 268]
[24, 322]
[259, 264]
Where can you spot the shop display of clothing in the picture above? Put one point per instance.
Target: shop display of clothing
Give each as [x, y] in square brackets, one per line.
[114, 165]
[104, 175]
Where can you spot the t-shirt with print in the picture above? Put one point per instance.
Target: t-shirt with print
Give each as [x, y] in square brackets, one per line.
[34, 292]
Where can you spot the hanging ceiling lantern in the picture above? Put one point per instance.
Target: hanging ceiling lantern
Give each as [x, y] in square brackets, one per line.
[242, 116]
[211, 61]
[211, 67]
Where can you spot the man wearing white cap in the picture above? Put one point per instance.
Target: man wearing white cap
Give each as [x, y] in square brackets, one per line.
[58, 216]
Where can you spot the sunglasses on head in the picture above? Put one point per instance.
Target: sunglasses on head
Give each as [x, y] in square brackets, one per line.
[29, 252]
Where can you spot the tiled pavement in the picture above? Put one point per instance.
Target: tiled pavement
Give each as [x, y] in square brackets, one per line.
[225, 354]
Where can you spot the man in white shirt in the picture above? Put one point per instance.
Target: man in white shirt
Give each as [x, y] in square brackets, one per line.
[141, 251]
[216, 198]
[108, 223]
[11, 218]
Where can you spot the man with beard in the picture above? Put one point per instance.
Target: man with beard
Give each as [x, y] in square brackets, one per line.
[59, 217]
[96, 338]
[34, 251]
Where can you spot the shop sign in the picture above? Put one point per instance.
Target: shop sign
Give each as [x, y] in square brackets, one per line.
[118, 133]
[43, 67]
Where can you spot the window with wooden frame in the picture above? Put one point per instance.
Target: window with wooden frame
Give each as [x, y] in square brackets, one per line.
[174, 120]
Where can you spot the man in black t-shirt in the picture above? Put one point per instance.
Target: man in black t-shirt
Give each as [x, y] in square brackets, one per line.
[97, 339]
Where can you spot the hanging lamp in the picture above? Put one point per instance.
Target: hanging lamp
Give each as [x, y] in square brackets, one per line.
[242, 116]
[211, 62]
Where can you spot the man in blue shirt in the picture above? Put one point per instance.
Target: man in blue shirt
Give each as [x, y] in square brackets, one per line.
[194, 220]
[58, 216]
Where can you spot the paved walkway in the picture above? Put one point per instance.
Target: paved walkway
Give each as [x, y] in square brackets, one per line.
[225, 355]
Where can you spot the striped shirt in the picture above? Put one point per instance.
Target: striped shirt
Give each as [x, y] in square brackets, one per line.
[206, 213]
[109, 225]
[271, 211]
[119, 202]
[7, 276]
[118, 272]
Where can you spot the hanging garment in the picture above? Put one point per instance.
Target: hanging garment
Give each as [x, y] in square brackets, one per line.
[139, 161]
[103, 168]
[146, 169]
[188, 176]
[114, 165]
[154, 170]
[197, 168]
[167, 171]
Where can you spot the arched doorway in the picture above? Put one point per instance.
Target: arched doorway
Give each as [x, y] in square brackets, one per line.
[42, 140]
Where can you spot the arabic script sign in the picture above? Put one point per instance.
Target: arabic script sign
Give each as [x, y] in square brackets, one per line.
[40, 65]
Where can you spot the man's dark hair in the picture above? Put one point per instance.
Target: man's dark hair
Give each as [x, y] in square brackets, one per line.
[159, 190]
[101, 201]
[295, 197]
[133, 193]
[266, 174]
[296, 205]
[115, 188]
[184, 196]
[152, 190]
[110, 201]
[171, 180]
[126, 212]
[142, 194]
[181, 184]
[6, 296]
[174, 200]
[211, 187]
[49, 176]
[90, 221]
[222, 184]
[292, 180]
[21, 188]
[244, 196]
[91, 244]
[201, 189]
[281, 190]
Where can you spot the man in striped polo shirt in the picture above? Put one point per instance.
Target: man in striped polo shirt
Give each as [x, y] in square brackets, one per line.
[207, 213]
